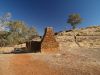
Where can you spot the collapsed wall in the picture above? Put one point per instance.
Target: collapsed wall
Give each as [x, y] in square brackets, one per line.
[49, 43]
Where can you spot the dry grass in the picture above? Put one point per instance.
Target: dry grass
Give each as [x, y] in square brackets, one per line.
[79, 61]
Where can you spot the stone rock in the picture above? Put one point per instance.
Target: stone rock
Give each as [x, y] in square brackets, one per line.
[49, 43]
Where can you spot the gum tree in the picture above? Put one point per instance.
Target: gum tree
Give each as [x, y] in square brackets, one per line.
[74, 20]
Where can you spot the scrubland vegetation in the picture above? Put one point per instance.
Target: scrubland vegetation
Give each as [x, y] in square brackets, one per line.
[14, 32]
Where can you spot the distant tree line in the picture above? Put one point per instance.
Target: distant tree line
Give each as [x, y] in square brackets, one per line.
[14, 32]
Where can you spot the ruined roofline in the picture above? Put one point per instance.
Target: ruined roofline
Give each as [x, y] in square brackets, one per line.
[45, 31]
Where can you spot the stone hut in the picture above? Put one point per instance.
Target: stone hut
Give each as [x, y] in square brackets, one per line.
[49, 43]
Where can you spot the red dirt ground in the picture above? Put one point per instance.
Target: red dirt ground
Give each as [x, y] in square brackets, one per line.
[25, 64]
[74, 62]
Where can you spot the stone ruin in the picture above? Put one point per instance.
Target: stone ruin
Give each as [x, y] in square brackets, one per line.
[33, 46]
[49, 43]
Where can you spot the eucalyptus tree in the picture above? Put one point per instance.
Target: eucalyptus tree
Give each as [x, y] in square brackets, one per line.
[21, 31]
[74, 20]
[14, 32]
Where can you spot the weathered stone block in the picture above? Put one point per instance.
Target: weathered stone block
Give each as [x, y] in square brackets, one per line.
[49, 43]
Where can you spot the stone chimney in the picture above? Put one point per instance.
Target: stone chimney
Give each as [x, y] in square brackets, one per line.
[49, 43]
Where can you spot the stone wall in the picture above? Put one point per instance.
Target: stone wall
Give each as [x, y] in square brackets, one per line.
[84, 41]
[49, 43]
[6, 49]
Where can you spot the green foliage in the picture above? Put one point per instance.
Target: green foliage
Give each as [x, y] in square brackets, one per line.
[74, 20]
[18, 32]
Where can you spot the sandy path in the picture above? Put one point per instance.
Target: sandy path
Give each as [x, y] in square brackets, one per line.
[24, 64]
[74, 62]
[5, 65]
